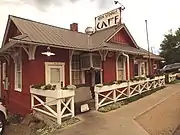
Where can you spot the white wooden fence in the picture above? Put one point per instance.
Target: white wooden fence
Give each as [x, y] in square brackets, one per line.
[171, 78]
[110, 94]
[62, 99]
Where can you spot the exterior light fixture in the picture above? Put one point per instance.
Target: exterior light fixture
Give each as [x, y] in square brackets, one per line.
[48, 52]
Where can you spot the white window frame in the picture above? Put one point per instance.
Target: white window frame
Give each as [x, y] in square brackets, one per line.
[18, 55]
[120, 69]
[146, 70]
[54, 65]
[77, 70]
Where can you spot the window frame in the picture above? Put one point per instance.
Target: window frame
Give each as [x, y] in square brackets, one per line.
[76, 70]
[146, 68]
[123, 68]
[17, 56]
[49, 65]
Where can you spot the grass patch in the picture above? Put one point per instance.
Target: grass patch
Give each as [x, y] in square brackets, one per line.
[119, 104]
[175, 82]
[48, 129]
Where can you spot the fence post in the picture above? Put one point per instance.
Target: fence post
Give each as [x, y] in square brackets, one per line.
[72, 106]
[128, 89]
[148, 85]
[59, 111]
[32, 101]
[114, 95]
[96, 98]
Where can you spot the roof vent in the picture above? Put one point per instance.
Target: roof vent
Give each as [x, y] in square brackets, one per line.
[89, 30]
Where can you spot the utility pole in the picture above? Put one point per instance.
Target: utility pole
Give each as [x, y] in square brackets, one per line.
[149, 58]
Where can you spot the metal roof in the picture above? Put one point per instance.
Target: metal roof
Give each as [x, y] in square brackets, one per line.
[43, 34]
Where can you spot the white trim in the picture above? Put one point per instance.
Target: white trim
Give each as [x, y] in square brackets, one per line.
[54, 64]
[30, 50]
[71, 52]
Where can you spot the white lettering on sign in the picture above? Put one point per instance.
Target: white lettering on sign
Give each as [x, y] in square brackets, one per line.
[108, 19]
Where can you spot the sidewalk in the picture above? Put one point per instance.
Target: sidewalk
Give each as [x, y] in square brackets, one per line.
[120, 121]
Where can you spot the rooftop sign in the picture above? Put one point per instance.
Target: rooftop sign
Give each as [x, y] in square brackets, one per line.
[108, 19]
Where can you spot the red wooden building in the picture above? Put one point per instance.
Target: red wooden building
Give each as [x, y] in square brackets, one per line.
[80, 58]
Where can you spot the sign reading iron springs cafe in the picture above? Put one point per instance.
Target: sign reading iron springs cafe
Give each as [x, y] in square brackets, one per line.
[108, 19]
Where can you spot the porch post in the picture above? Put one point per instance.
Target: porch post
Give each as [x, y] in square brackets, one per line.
[117, 57]
[128, 72]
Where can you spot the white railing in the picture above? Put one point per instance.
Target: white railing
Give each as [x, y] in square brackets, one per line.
[105, 95]
[63, 102]
[171, 78]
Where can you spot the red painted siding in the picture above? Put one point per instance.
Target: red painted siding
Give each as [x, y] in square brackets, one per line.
[109, 69]
[122, 38]
[33, 72]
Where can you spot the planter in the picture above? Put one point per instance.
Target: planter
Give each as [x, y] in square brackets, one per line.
[53, 93]
[111, 87]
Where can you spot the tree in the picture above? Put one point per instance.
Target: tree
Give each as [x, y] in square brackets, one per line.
[170, 47]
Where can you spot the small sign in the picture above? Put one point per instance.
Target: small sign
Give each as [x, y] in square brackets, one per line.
[108, 19]
[155, 66]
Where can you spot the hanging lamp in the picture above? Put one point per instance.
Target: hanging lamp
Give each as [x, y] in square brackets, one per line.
[48, 52]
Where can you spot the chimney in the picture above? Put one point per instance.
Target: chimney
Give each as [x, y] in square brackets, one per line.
[74, 27]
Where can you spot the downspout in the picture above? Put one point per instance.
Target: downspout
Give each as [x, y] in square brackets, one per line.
[128, 74]
[128, 71]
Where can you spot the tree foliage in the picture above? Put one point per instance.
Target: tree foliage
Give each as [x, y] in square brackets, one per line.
[170, 47]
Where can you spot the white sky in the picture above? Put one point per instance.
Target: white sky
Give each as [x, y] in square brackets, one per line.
[162, 15]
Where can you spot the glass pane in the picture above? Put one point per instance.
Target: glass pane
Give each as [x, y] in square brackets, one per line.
[85, 61]
[18, 64]
[120, 75]
[76, 62]
[135, 69]
[55, 75]
[19, 80]
[96, 61]
[120, 62]
[76, 77]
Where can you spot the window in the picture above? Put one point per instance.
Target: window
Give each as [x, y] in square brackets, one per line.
[85, 61]
[4, 71]
[18, 71]
[76, 72]
[120, 68]
[54, 73]
[96, 59]
[140, 68]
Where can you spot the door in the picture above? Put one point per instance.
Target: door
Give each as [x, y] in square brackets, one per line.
[55, 74]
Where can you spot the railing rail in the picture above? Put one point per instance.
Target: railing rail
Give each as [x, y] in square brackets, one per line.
[108, 94]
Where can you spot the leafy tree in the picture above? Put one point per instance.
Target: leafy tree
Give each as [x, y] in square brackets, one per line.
[170, 47]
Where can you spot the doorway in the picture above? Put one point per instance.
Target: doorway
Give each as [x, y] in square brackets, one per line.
[55, 75]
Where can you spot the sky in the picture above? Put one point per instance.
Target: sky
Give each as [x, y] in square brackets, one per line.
[161, 15]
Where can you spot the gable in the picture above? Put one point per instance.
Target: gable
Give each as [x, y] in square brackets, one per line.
[123, 37]
[11, 31]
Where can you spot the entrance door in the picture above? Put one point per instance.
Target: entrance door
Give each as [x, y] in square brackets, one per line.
[55, 73]
[54, 76]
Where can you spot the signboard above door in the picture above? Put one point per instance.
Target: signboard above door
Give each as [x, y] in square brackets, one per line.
[108, 19]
